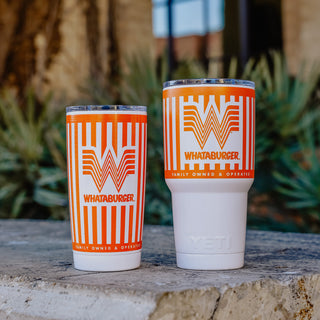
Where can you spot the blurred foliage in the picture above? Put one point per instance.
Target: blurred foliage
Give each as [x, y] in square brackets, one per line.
[32, 159]
[142, 85]
[286, 108]
[299, 179]
[284, 104]
[286, 192]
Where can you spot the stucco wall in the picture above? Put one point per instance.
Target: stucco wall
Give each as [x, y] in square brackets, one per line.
[301, 31]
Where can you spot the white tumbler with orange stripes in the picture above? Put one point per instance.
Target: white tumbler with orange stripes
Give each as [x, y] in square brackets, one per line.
[209, 167]
[106, 172]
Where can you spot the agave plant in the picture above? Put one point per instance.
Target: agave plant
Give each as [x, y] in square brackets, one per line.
[32, 158]
[284, 105]
[299, 180]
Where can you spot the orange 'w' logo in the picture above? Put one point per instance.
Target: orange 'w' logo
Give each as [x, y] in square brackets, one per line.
[221, 129]
[91, 166]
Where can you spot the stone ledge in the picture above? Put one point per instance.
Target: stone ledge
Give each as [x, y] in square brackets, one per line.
[280, 280]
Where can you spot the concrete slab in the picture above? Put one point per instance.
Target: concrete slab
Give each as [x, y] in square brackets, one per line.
[280, 280]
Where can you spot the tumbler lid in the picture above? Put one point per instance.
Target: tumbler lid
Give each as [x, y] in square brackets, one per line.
[216, 81]
[105, 108]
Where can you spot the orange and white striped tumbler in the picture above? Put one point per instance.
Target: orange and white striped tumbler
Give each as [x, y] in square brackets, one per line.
[106, 173]
[209, 167]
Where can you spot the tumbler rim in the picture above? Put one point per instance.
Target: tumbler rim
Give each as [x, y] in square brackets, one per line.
[203, 81]
[109, 107]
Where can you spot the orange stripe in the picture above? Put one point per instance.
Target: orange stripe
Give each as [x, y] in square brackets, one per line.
[104, 224]
[130, 224]
[253, 131]
[171, 139]
[93, 134]
[244, 135]
[178, 136]
[143, 179]
[115, 137]
[113, 224]
[103, 137]
[124, 135]
[165, 132]
[71, 184]
[86, 225]
[123, 224]
[139, 183]
[133, 133]
[250, 134]
[77, 180]
[84, 133]
[94, 225]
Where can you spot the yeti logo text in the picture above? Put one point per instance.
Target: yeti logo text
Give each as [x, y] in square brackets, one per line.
[92, 167]
[220, 120]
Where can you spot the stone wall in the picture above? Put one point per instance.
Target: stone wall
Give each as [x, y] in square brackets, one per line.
[280, 279]
[59, 45]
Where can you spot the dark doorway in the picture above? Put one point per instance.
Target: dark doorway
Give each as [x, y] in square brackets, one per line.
[265, 26]
[252, 28]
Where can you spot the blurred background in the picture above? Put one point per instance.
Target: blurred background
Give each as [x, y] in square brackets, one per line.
[64, 52]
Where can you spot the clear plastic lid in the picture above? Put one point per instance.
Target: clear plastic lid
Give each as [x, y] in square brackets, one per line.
[221, 81]
[106, 108]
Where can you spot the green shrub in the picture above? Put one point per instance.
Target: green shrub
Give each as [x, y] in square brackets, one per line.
[32, 159]
[284, 106]
[299, 179]
[32, 141]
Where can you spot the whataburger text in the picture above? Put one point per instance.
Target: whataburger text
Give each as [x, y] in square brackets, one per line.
[108, 197]
[214, 155]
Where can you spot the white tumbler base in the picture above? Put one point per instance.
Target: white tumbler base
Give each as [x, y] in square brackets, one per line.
[210, 261]
[107, 261]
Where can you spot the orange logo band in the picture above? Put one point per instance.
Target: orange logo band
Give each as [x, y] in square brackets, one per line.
[209, 131]
[106, 170]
